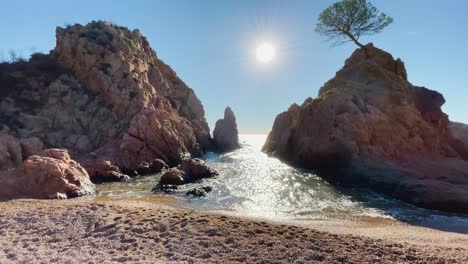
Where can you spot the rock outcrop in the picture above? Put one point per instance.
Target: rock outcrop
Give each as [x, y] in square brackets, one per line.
[49, 174]
[189, 171]
[371, 127]
[459, 132]
[156, 116]
[225, 134]
[104, 171]
[104, 95]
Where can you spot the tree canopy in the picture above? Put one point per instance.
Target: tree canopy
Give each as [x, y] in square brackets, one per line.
[348, 20]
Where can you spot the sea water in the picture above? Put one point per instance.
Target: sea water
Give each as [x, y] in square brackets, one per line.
[254, 185]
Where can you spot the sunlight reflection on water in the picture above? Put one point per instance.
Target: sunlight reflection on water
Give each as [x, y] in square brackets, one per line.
[253, 184]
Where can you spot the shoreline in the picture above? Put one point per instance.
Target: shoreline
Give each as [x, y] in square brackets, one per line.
[132, 230]
[387, 228]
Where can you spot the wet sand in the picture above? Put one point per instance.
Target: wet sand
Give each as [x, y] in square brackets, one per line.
[138, 231]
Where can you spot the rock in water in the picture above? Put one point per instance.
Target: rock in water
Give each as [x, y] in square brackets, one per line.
[226, 136]
[158, 165]
[189, 171]
[199, 192]
[371, 127]
[196, 169]
[103, 94]
[104, 171]
[173, 176]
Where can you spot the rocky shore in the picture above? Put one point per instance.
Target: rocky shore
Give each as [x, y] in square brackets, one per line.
[103, 97]
[370, 127]
[78, 231]
[103, 107]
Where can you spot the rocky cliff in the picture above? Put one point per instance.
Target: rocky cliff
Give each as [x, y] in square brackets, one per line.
[371, 127]
[459, 131]
[225, 134]
[103, 94]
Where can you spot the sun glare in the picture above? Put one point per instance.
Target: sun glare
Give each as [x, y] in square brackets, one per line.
[265, 53]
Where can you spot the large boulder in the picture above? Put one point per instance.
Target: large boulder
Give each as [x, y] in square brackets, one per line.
[173, 176]
[225, 134]
[103, 171]
[189, 171]
[371, 127]
[50, 174]
[196, 169]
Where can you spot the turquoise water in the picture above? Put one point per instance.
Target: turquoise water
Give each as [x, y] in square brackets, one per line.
[252, 184]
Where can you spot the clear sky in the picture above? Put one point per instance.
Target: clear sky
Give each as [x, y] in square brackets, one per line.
[211, 45]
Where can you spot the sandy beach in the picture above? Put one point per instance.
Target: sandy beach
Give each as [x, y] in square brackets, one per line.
[138, 231]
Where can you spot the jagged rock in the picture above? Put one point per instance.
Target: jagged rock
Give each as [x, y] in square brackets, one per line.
[195, 170]
[160, 117]
[104, 171]
[50, 174]
[199, 192]
[103, 90]
[370, 127]
[225, 134]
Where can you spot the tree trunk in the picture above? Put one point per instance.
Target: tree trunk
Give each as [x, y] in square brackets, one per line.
[359, 44]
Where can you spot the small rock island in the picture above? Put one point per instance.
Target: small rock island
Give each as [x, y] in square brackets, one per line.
[225, 134]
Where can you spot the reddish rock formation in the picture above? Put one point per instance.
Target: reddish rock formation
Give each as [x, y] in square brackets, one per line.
[225, 134]
[459, 132]
[50, 174]
[103, 94]
[189, 171]
[103, 171]
[158, 115]
[196, 169]
[371, 127]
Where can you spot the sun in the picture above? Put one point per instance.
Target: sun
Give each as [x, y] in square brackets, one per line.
[265, 52]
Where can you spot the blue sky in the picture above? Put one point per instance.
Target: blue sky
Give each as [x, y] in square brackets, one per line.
[211, 44]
